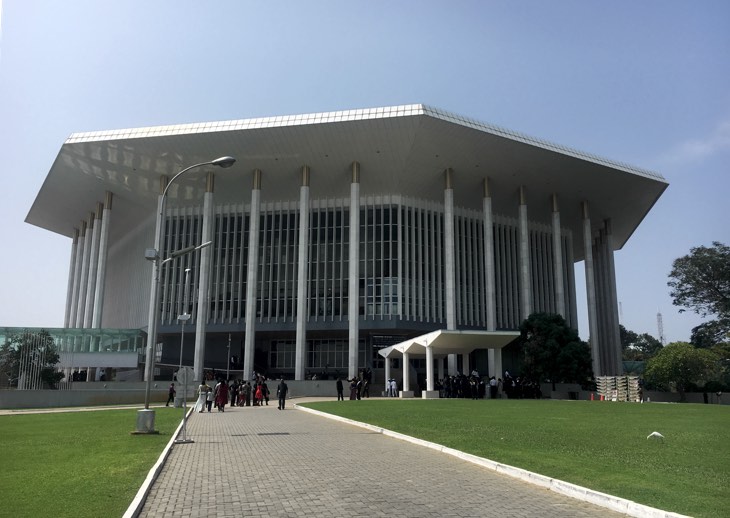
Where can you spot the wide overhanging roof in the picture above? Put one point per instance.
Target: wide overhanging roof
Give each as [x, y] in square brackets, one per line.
[444, 342]
[401, 150]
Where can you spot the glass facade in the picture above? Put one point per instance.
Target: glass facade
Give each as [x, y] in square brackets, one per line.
[401, 270]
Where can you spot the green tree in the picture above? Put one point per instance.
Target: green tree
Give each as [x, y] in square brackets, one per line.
[700, 282]
[681, 365]
[552, 351]
[30, 352]
[638, 347]
[712, 333]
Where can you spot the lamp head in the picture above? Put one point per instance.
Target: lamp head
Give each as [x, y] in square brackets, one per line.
[224, 161]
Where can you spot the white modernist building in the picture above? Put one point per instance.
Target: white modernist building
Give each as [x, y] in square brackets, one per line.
[337, 235]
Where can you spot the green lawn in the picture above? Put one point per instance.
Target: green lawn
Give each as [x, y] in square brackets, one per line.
[599, 445]
[77, 463]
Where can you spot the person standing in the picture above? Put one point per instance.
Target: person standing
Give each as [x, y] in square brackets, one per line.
[233, 391]
[393, 388]
[203, 390]
[340, 390]
[258, 395]
[209, 397]
[265, 391]
[221, 396]
[170, 394]
[247, 393]
[281, 391]
[492, 388]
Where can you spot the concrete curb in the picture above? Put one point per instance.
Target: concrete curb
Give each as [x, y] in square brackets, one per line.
[584, 494]
[136, 506]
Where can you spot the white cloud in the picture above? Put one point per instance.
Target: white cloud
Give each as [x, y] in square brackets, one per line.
[701, 148]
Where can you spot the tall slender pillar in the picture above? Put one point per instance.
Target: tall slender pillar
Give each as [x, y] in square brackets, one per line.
[387, 376]
[93, 265]
[489, 277]
[101, 267]
[249, 341]
[525, 277]
[614, 336]
[206, 261]
[449, 261]
[71, 278]
[302, 264]
[83, 279]
[591, 290]
[494, 356]
[353, 290]
[406, 372]
[558, 261]
[77, 274]
[429, 368]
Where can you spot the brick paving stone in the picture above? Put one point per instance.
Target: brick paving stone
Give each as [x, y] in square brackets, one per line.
[261, 462]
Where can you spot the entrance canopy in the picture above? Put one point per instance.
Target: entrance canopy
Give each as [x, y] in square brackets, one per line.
[443, 343]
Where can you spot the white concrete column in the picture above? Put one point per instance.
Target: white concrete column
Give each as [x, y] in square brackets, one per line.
[84, 281]
[93, 265]
[206, 262]
[353, 291]
[490, 289]
[101, 267]
[495, 362]
[300, 355]
[465, 364]
[591, 290]
[429, 368]
[449, 253]
[525, 276]
[406, 373]
[249, 341]
[558, 261]
[429, 393]
[77, 275]
[387, 375]
[71, 277]
[614, 345]
[449, 261]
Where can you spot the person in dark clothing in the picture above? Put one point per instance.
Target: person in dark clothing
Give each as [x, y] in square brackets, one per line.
[265, 391]
[281, 391]
[340, 389]
[233, 392]
[170, 394]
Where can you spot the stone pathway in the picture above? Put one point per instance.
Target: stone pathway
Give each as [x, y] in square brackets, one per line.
[262, 462]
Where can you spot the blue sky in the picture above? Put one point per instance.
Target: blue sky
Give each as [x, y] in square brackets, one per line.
[647, 83]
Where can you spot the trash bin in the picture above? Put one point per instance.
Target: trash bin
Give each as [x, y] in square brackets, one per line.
[179, 401]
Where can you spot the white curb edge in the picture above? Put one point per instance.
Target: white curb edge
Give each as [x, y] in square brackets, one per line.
[584, 494]
[136, 506]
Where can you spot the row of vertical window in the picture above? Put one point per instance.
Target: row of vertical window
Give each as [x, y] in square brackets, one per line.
[401, 265]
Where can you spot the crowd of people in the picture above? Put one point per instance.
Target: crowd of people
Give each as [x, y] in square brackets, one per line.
[476, 387]
[221, 393]
[238, 393]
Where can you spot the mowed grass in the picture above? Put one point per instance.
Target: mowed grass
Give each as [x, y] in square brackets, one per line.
[77, 463]
[599, 445]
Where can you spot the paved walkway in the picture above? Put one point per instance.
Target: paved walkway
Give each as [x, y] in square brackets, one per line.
[262, 462]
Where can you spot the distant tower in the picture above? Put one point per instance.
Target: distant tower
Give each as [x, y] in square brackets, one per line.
[620, 312]
[660, 327]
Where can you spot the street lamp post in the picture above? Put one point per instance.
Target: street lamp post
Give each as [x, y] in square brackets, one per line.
[146, 417]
